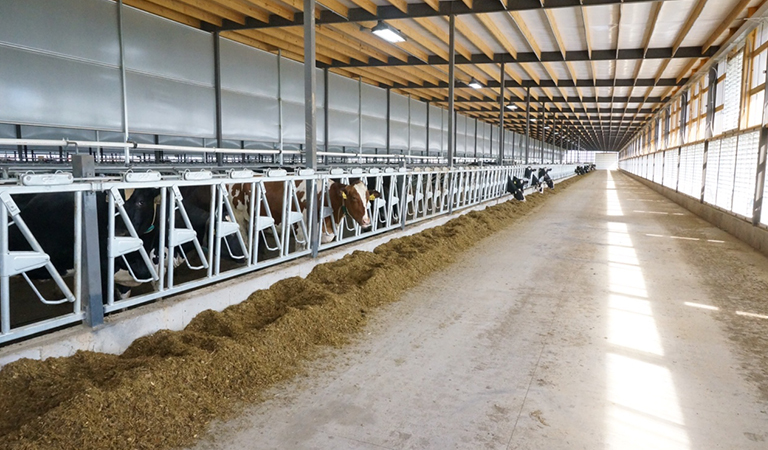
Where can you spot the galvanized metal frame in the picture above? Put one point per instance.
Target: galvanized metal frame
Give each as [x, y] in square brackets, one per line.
[429, 198]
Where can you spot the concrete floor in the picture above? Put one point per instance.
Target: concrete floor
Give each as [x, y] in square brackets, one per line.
[586, 326]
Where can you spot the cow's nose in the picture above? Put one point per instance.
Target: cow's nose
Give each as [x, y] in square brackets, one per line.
[366, 222]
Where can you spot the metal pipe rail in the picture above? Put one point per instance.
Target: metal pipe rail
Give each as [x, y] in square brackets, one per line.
[236, 233]
[127, 146]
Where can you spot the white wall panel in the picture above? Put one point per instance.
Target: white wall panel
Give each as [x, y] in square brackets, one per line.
[398, 121]
[162, 106]
[461, 135]
[248, 70]
[685, 184]
[732, 108]
[374, 132]
[157, 46]
[344, 93]
[726, 172]
[293, 102]
[59, 63]
[471, 126]
[249, 92]
[746, 168]
[84, 29]
[343, 104]
[249, 117]
[435, 128]
[42, 90]
[374, 117]
[670, 168]
[418, 125]
[713, 168]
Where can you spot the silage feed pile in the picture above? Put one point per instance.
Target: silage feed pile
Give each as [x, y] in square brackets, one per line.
[164, 390]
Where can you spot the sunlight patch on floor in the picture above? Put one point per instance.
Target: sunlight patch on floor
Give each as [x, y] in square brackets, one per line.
[643, 410]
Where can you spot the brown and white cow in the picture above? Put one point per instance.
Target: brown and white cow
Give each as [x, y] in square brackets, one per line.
[345, 199]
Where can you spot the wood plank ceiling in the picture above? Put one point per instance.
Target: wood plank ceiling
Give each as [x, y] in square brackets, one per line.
[596, 69]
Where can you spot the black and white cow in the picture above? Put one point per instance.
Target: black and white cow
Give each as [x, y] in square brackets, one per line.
[545, 178]
[50, 218]
[533, 179]
[516, 187]
[584, 169]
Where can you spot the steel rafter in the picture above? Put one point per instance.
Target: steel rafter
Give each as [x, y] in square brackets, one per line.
[664, 53]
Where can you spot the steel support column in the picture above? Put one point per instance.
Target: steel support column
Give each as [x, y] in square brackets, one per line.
[451, 83]
[427, 146]
[501, 115]
[389, 115]
[709, 129]
[757, 208]
[527, 123]
[326, 104]
[451, 121]
[310, 120]
[280, 127]
[542, 124]
[83, 166]
[217, 87]
[123, 84]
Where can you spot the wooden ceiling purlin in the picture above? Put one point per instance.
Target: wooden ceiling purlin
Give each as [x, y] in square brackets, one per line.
[694, 14]
[649, 29]
[554, 32]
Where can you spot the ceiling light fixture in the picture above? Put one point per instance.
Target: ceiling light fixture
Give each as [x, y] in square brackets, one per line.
[387, 32]
[474, 84]
[512, 106]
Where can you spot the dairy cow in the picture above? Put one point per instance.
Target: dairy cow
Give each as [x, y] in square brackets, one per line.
[50, 219]
[516, 187]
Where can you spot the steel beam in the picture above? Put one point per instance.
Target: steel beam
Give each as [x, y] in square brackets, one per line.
[572, 99]
[623, 82]
[542, 57]
[580, 112]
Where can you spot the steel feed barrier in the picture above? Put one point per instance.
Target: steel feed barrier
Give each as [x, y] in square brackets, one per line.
[237, 238]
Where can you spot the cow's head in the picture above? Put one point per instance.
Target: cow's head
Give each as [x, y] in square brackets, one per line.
[528, 172]
[515, 186]
[141, 206]
[348, 200]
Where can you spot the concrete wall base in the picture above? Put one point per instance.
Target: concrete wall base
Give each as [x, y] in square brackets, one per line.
[755, 236]
[174, 313]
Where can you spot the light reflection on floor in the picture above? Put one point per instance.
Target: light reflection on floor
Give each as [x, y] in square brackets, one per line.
[643, 409]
